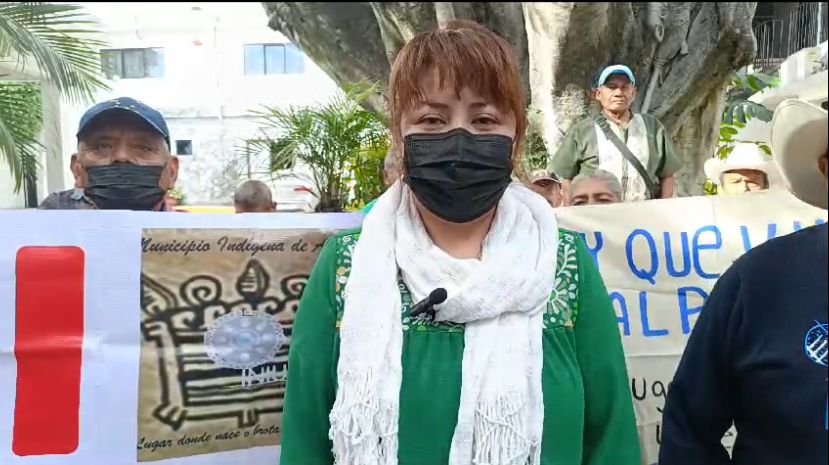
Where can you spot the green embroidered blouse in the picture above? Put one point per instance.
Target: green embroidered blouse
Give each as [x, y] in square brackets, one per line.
[588, 416]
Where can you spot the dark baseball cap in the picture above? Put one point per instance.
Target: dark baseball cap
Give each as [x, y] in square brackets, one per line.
[149, 115]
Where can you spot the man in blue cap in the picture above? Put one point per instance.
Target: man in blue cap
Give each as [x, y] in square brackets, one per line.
[634, 147]
[123, 160]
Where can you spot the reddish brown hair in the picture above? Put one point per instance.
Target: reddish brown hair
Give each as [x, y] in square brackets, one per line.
[465, 55]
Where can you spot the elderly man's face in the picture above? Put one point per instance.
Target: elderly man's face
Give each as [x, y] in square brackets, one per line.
[550, 190]
[616, 94]
[592, 191]
[121, 137]
[741, 181]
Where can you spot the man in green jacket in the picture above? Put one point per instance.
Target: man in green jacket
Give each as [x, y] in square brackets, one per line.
[587, 147]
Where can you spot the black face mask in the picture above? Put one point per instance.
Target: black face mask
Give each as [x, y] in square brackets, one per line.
[457, 175]
[125, 186]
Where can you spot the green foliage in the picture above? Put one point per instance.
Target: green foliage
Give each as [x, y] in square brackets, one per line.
[56, 37]
[738, 111]
[341, 144]
[21, 118]
[738, 108]
[535, 152]
[709, 188]
[368, 174]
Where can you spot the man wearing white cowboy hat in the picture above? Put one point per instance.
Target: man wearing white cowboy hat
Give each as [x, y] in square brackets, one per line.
[746, 169]
[757, 356]
[799, 131]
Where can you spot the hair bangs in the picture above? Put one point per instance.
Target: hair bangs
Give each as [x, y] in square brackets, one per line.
[464, 54]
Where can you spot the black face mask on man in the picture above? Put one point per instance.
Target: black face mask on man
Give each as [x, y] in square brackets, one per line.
[457, 175]
[124, 186]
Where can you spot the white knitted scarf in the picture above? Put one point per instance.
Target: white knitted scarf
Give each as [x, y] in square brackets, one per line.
[501, 298]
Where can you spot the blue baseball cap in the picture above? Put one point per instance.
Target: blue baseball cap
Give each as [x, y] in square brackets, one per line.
[149, 115]
[615, 69]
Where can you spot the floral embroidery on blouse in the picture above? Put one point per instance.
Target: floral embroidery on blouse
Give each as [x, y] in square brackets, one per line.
[562, 309]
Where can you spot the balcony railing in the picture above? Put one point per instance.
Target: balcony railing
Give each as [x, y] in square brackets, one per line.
[777, 39]
[807, 26]
[769, 35]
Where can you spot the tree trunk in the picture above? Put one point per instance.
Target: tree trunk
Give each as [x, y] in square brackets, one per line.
[682, 54]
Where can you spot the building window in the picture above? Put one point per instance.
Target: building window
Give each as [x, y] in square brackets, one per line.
[273, 59]
[133, 63]
[184, 147]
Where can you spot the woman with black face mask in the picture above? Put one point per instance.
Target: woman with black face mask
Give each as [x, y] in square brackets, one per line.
[459, 326]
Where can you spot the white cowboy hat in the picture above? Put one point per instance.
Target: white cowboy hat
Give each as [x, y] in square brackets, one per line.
[798, 139]
[745, 156]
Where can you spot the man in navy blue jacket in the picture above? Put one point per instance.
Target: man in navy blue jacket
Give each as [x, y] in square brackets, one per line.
[757, 357]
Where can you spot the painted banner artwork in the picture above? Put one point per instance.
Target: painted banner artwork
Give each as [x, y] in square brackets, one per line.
[129, 338]
[217, 308]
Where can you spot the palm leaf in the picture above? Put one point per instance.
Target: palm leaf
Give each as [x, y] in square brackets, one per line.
[21, 118]
[9, 151]
[334, 140]
[29, 155]
[57, 38]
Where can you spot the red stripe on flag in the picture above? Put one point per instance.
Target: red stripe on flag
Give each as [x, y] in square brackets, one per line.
[48, 344]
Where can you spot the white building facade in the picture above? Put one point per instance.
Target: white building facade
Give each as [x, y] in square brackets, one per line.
[204, 66]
